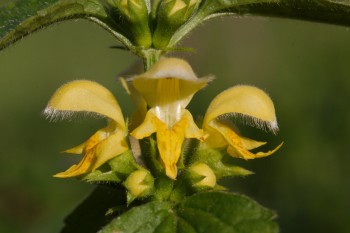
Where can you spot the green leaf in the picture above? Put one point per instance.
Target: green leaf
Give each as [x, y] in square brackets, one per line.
[22, 17]
[144, 219]
[13, 12]
[226, 212]
[91, 214]
[203, 212]
[324, 11]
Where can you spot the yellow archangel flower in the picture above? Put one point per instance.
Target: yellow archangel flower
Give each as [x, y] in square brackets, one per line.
[90, 97]
[249, 103]
[167, 89]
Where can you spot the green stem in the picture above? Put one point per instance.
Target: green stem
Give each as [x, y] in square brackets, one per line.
[150, 56]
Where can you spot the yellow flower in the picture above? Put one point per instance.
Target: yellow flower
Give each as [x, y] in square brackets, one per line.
[249, 103]
[91, 98]
[167, 89]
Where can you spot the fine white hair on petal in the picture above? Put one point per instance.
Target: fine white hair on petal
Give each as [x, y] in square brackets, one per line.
[59, 115]
[271, 126]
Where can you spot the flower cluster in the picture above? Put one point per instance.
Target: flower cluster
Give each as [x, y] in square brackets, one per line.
[161, 95]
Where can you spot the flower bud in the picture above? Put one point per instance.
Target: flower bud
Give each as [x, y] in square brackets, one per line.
[171, 15]
[139, 184]
[202, 176]
[132, 15]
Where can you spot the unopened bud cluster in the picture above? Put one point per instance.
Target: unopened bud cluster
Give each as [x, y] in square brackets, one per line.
[145, 30]
[133, 16]
[139, 184]
[172, 14]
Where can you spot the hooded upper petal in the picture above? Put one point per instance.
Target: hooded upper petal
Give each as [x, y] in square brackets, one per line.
[246, 101]
[86, 97]
[90, 97]
[251, 104]
[153, 84]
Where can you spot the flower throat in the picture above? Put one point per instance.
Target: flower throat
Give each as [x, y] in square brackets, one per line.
[168, 107]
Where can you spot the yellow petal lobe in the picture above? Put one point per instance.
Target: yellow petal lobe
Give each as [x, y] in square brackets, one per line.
[250, 144]
[169, 143]
[146, 128]
[169, 140]
[192, 130]
[82, 167]
[98, 149]
[245, 154]
[239, 146]
[77, 149]
[112, 146]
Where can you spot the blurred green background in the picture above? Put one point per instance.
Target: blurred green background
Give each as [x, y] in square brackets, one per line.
[305, 67]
